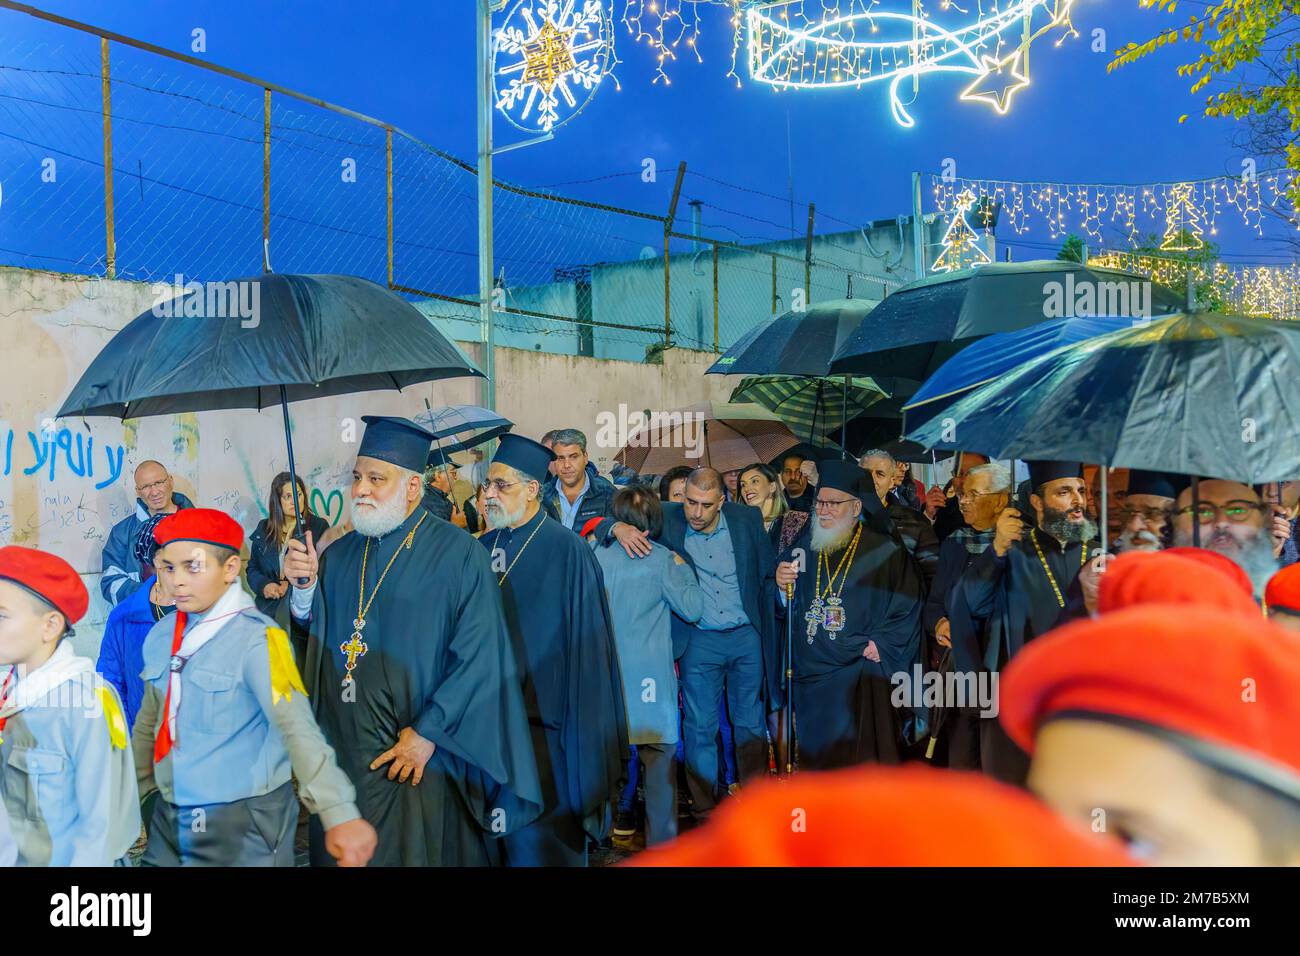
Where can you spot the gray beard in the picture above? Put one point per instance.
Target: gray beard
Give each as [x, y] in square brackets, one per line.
[1139, 541]
[1066, 531]
[498, 517]
[831, 539]
[1255, 557]
[379, 520]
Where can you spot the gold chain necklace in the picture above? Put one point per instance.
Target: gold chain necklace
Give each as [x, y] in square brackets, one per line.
[355, 648]
[1051, 578]
[830, 613]
[502, 580]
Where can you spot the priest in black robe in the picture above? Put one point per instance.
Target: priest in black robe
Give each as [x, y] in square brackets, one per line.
[857, 622]
[558, 617]
[410, 669]
[1024, 585]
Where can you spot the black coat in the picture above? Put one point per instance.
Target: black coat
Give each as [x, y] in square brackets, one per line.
[264, 563]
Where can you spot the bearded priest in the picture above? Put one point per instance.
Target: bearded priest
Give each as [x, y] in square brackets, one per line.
[1025, 584]
[558, 615]
[410, 669]
[857, 621]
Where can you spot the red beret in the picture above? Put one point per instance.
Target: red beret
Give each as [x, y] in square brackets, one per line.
[1158, 577]
[877, 816]
[1218, 561]
[205, 525]
[1284, 589]
[1184, 669]
[49, 577]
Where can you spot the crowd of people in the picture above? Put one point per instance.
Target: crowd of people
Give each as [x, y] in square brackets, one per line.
[522, 665]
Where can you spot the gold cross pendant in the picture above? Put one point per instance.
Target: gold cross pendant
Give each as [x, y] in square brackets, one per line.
[354, 649]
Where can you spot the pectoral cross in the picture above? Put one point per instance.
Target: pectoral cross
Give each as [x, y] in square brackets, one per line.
[815, 616]
[354, 648]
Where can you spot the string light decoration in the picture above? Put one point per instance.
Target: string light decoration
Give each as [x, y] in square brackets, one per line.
[1266, 291]
[1183, 221]
[961, 246]
[665, 25]
[851, 43]
[1132, 209]
[549, 57]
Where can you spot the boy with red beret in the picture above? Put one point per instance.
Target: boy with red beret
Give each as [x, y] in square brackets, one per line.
[1172, 727]
[65, 767]
[225, 719]
[1282, 598]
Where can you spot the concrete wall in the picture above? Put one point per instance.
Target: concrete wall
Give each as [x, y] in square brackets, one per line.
[64, 483]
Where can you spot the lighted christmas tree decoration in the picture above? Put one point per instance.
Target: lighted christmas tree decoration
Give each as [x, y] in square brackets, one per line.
[961, 246]
[548, 60]
[1183, 231]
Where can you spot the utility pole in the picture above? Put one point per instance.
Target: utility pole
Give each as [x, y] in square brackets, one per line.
[918, 229]
[487, 327]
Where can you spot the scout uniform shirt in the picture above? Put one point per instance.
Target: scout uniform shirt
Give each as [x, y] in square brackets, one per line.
[65, 765]
[242, 719]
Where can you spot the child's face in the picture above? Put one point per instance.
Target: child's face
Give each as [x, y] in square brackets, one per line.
[193, 575]
[28, 632]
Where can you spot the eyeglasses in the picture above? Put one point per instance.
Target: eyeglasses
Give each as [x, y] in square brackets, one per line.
[153, 486]
[967, 495]
[1234, 511]
[496, 483]
[1149, 515]
[822, 504]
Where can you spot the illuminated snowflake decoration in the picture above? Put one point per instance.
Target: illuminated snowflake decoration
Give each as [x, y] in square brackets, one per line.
[548, 60]
[855, 42]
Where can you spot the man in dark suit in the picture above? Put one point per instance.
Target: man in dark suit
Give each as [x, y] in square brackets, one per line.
[733, 647]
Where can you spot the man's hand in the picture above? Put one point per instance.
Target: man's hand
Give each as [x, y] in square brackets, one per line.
[1010, 529]
[409, 755]
[943, 633]
[634, 541]
[787, 572]
[352, 843]
[935, 499]
[301, 563]
[809, 470]
[1090, 580]
[457, 516]
[871, 653]
[1281, 529]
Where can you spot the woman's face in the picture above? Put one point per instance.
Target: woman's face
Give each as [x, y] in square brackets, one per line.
[756, 490]
[677, 490]
[286, 500]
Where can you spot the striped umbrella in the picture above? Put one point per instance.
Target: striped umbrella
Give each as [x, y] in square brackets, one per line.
[722, 435]
[810, 406]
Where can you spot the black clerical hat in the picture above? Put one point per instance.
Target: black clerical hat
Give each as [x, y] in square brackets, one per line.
[1158, 483]
[1041, 472]
[845, 476]
[525, 456]
[398, 441]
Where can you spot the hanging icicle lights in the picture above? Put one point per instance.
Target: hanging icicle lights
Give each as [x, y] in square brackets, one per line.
[1135, 210]
[1269, 291]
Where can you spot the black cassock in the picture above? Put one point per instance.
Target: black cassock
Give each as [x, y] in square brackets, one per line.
[842, 709]
[438, 659]
[997, 606]
[558, 617]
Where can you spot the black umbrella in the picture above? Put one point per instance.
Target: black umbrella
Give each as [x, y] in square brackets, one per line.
[261, 341]
[923, 324]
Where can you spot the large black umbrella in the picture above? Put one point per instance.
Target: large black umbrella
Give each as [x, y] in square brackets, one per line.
[261, 341]
[923, 324]
[1197, 394]
[799, 342]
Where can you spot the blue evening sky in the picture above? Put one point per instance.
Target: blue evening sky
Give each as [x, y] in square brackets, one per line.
[412, 63]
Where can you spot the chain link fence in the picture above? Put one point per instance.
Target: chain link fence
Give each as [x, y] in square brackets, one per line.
[125, 161]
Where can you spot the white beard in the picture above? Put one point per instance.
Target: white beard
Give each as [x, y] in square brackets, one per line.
[374, 520]
[1143, 540]
[498, 517]
[834, 538]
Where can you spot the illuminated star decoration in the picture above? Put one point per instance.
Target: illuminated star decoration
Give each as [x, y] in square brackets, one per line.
[1001, 78]
[548, 59]
[857, 42]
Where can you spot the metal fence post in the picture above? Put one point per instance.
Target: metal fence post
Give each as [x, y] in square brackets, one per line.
[715, 297]
[668, 231]
[266, 180]
[110, 239]
[389, 151]
[774, 285]
[807, 259]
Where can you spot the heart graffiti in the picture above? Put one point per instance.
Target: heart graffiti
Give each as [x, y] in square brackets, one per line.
[324, 506]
